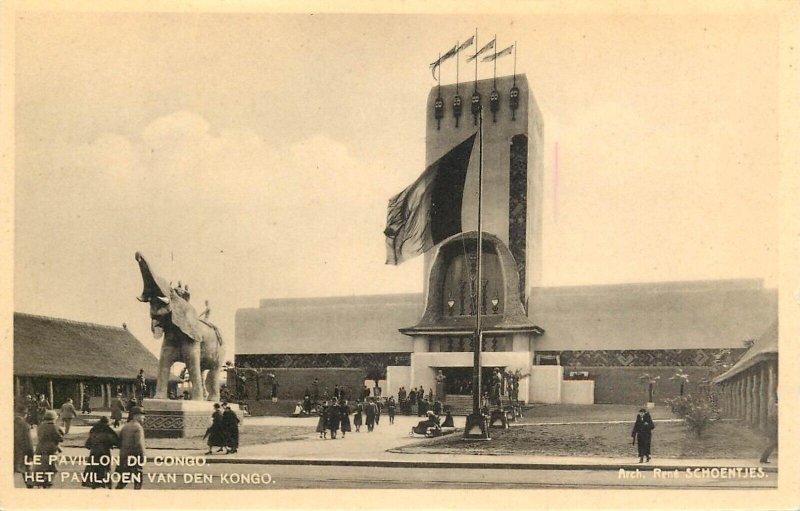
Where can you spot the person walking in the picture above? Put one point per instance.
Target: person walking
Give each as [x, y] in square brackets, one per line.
[132, 450]
[50, 437]
[772, 431]
[23, 443]
[100, 442]
[334, 417]
[344, 417]
[67, 414]
[322, 422]
[116, 410]
[378, 407]
[391, 406]
[357, 418]
[215, 433]
[643, 433]
[369, 412]
[230, 428]
[42, 406]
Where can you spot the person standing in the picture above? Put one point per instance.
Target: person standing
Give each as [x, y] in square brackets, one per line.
[378, 410]
[215, 433]
[322, 423]
[50, 437]
[116, 410]
[23, 443]
[334, 417]
[67, 414]
[344, 417]
[132, 450]
[772, 431]
[357, 419]
[32, 410]
[100, 442]
[315, 391]
[140, 388]
[369, 412]
[643, 433]
[86, 404]
[391, 406]
[230, 427]
[42, 407]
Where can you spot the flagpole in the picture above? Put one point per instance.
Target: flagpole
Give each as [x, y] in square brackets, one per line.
[515, 64]
[476, 391]
[439, 79]
[494, 78]
[457, 51]
[476, 59]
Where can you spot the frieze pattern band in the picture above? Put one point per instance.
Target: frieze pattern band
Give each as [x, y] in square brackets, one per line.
[328, 360]
[703, 357]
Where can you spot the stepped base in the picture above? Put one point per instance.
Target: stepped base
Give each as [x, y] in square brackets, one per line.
[176, 418]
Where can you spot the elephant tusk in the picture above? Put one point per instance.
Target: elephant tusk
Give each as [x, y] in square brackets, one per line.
[164, 299]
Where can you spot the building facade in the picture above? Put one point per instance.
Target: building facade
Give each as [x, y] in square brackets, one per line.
[581, 344]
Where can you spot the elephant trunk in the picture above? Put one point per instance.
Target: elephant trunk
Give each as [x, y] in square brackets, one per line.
[153, 285]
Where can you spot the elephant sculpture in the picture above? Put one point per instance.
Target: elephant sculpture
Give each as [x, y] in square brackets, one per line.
[187, 338]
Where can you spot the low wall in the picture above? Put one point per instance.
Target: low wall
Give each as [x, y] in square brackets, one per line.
[293, 383]
[577, 392]
[545, 382]
[620, 385]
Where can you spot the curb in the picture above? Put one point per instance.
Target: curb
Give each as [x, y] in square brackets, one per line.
[476, 464]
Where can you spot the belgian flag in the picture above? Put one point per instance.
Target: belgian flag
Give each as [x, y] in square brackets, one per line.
[429, 210]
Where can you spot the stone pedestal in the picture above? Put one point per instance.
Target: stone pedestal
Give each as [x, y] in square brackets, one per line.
[178, 418]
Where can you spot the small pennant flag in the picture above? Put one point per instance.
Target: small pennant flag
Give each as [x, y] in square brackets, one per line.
[486, 48]
[451, 52]
[466, 44]
[499, 54]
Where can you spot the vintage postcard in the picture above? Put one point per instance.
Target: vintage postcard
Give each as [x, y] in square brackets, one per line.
[536, 254]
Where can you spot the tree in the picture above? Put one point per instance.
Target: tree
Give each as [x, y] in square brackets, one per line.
[682, 377]
[650, 380]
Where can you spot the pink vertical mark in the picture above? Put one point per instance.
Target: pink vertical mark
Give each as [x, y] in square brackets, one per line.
[555, 186]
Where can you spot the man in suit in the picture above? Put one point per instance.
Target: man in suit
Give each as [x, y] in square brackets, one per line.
[131, 450]
[67, 414]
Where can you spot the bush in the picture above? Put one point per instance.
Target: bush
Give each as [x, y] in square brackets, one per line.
[699, 412]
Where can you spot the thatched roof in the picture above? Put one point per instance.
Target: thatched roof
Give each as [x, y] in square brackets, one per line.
[53, 347]
[765, 348]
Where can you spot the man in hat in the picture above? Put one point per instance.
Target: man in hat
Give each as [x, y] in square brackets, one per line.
[23, 443]
[131, 450]
[140, 387]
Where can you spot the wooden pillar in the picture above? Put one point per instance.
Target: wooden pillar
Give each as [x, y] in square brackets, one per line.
[753, 397]
[772, 383]
[756, 396]
[764, 398]
[50, 391]
[108, 395]
[742, 386]
[17, 387]
[81, 391]
[102, 395]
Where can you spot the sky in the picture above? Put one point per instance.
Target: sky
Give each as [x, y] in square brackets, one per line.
[252, 155]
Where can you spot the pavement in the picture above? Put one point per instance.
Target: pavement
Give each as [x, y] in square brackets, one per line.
[376, 449]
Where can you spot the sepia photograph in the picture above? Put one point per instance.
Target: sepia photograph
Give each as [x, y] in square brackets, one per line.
[362, 249]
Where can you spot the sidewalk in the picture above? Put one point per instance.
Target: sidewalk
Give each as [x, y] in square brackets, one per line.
[375, 450]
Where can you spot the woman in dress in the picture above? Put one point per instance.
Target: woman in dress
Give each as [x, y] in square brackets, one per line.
[230, 425]
[643, 433]
[321, 424]
[100, 442]
[344, 417]
[216, 433]
[357, 418]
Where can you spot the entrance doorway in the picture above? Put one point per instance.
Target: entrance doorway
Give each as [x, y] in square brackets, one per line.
[459, 380]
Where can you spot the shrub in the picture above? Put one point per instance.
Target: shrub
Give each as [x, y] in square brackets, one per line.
[699, 412]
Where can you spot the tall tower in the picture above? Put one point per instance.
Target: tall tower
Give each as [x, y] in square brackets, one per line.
[512, 164]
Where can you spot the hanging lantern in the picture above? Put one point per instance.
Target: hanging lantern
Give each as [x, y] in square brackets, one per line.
[476, 106]
[513, 101]
[457, 108]
[438, 110]
[494, 104]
